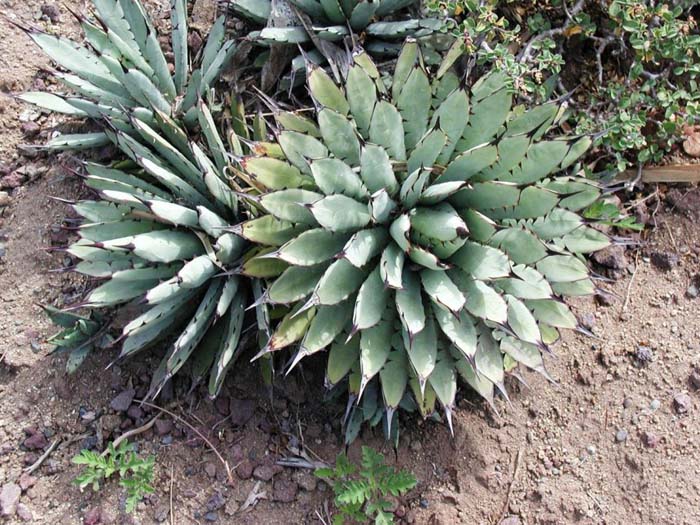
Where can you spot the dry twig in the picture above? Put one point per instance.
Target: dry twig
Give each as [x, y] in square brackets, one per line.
[130, 433]
[31, 468]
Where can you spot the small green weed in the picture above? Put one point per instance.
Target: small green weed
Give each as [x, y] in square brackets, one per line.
[360, 493]
[135, 473]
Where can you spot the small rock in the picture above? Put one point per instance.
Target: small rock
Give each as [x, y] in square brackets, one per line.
[161, 514]
[284, 491]
[26, 481]
[611, 257]
[665, 261]
[237, 453]
[510, 520]
[416, 445]
[627, 402]
[110, 422]
[681, 403]
[135, 412]
[588, 320]
[649, 439]
[36, 441]
[245, 469]
[263, 472]
[424, 503]
[216, 502]
[9, 497]
[692, 292]
[11, 181]
[51, 12]
[164, 426]
[210, 469]
[644, 355]
[4, 199]
[211, 517]
[694, 379]
[30, 129]
[605, 299]
[242, 411]
[305, 480]
[655, 404]
[621, 435]
[231, 507]
[24, 513]
[122, 402]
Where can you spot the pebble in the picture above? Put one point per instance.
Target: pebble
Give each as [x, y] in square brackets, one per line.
[644, 355]
[163, 426]
[284, 491]
[122, 401]
[263, 472]
[245, 469]
[510, 520]
[216, 502]
[655, 404]
[51, 12]
[210, 470]
[305, 480]
[664, 260]
[424, 503]
[24, 513]
[591, 450]
[242, 411]
[692, 292]
[621, 435]
[627, 402]
[649, 439]
[9, 497]
[4, 198]
[694, 379]
[26, 481]
[681, 403]
[211, 517]
[36, 441]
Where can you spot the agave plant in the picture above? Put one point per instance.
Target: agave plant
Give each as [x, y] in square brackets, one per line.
[121, 71]
[158, 238]
[298, 22]
[419, 231]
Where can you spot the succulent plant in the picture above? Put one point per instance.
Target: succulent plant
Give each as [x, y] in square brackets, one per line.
[419, 231]
[158, 237]
[121, 71]
[300, 22]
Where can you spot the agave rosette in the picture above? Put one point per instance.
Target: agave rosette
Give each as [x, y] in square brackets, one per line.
[323, 22]
[121, 72]
[419, 232]
[158, 238]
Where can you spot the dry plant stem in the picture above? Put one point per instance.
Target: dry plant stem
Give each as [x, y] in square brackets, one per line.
[34, 466]
[172, 509]
[516, 469]
[229, 474]
[130, 433]
[629, 286]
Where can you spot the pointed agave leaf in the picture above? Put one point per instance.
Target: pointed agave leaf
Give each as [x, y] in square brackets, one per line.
[478, 382]
[427, 151]
[339, 282]
[333, 176]
[522, 322]
[483, 301]
[459, 329]
[442, 290]
[115, 292]
[404, 66]
[339, 136]
[585, 240]
[365, 245]
[292, 121]
[262, 267]
[489, 359]
[486, 196]
[51, 102]
[444, 380]
[290, 205]
[340, 213]
[412, 187]
[372, 301]
[229, 350]
[481, 262]
[179, 43]
[274, 174]
[414, 106]
[520, 245]
[159, 246]
[295, 283]
[422, 350]
[391, 266]
[381, 206]
[394, 378]
[361, 94]
[386, 130]
[409, 304]
[312, 247]
[298, 147]
[327, 324]
[440, 222]
[553, 313]
[325, 91]
[291, 329]
[531, 284]
[487, 116]
[376, 170]
[557, 224]
[575, 288]
[375, 345]
[562, 268]
[341, 358]
[269, 230]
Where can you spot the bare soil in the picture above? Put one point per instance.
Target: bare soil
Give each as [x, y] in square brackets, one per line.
[615, 440]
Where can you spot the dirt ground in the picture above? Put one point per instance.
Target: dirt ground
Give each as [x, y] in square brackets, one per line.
[615, 440]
